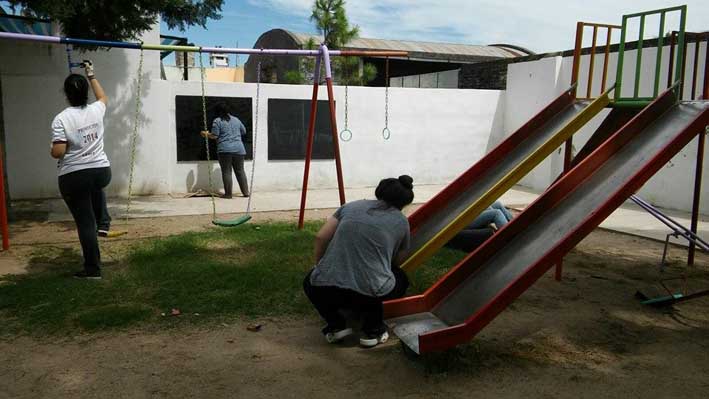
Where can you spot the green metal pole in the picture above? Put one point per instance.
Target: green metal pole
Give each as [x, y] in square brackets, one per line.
[638, 65]
[658, 63]
[621, 53]
[680, 47]
[170, 48]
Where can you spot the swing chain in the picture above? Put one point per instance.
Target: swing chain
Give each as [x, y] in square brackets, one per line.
[346, 134]
[255, 138]
[134, 134]
[206, 138]
[386, 133]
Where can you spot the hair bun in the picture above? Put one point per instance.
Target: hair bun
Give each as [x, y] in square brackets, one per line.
[406, 181]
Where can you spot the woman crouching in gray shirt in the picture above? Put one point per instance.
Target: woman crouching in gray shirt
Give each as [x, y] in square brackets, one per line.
[357, 253]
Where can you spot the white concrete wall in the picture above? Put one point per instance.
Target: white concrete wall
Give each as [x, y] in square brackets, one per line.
[435, 133]
[32, 76]
[532, 85]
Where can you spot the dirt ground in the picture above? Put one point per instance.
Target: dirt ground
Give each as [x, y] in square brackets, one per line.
[586, 337]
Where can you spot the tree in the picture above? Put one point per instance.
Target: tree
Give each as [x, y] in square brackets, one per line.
[118, 20]
[331, 22]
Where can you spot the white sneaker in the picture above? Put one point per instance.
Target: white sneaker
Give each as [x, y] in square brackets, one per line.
[369, 341]
[337, 336]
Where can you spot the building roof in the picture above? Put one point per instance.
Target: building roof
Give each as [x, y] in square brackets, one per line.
[427, 50]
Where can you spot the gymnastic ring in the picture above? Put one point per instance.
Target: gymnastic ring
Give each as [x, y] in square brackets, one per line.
[386, 133]
[346, 135]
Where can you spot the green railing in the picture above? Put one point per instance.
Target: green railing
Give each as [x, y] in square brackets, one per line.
[635, 99]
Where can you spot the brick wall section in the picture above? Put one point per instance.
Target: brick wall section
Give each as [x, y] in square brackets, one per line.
[484, 75]
[493, 74]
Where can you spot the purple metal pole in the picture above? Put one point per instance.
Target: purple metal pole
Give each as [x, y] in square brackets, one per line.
[333, 124]
[669, 222]
[30, 38]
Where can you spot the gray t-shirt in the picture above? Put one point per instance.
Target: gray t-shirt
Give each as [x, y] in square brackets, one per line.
[369, 234]
[229, 134]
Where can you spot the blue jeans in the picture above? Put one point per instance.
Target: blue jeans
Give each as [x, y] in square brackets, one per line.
[498, 205]
[496, 213]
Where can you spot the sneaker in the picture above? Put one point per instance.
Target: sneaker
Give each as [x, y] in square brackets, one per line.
[102, 233]
[337, 336]
[372, 340]
[88, 276]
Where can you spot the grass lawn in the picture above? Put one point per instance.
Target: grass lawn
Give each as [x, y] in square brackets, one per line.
[244, 272]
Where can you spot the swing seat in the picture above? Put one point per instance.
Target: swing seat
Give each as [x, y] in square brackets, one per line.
[232, 222]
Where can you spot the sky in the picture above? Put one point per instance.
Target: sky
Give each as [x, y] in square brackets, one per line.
[541, 26]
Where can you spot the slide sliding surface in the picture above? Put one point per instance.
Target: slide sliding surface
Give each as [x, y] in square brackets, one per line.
[483, 284]
[437, 221]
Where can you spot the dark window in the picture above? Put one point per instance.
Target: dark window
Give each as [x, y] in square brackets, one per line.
[288, 130]
[189, 122]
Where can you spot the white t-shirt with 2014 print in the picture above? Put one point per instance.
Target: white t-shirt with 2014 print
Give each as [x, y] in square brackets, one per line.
[82, 129]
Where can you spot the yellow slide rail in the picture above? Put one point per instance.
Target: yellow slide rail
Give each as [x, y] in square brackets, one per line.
[515, 175]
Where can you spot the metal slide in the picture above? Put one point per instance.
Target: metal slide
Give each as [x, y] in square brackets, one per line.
[483, 284]
[441, 218]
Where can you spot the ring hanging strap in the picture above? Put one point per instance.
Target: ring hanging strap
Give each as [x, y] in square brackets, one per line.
[346, 134]
[386, 133]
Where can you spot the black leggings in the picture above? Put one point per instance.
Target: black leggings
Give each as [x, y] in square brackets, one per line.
[83, 193]
[328, 300]
[227, 161]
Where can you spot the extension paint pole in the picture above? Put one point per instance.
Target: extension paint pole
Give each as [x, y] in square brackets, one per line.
[309, 146]
[333, 124]
[3, 208]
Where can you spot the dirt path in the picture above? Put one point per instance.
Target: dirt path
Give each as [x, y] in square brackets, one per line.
[586, 337]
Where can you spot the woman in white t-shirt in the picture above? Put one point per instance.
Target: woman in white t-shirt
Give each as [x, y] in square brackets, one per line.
[83, 168]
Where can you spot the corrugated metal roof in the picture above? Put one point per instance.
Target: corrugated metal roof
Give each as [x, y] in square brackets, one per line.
[423, 49]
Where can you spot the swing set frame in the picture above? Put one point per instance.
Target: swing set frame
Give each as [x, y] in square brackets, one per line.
[322, 56]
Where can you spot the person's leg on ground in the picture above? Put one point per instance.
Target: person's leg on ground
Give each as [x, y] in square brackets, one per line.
[374, 331]
[103, 218]
[76, 192]
[98, 200]
[498, 205]
[328, 301]
[469, 239]
[488, 216]
[238, 163]
[225, 165]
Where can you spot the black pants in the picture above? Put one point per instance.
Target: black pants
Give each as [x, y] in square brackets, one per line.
[469, 239]
[328, 301]
[83, 193]
[103, 219]
[227, 161]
